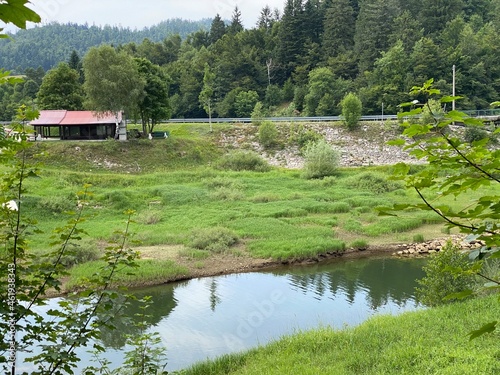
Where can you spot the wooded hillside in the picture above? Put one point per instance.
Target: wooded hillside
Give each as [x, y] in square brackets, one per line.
[302, 59]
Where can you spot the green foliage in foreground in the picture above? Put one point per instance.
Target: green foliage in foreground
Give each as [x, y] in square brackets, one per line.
[432, 341]
[442, 279]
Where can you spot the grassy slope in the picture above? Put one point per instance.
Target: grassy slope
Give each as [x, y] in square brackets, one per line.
[432, 341]
[174, 189]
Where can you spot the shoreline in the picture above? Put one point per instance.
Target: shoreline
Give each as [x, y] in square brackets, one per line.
[226, 264]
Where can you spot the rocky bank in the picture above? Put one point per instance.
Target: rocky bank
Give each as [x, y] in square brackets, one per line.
[364, 147]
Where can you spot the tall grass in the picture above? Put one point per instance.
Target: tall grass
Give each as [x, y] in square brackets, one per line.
[432, 341]
[173, 199]
[149, 272]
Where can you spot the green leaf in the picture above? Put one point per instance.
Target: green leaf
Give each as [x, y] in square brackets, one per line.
[487, 328]
[449, 99]
[459, 295]
[396, 142]
[17, 13]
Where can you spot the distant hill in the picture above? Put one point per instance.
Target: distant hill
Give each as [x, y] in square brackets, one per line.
[50, 44]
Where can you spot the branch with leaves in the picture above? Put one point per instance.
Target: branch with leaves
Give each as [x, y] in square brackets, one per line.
[454, 168]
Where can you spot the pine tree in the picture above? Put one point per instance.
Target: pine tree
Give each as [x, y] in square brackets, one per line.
[435, 14]
[291, 37]
[217, 29]
[373, 29]
[236, 25]
[338, 35]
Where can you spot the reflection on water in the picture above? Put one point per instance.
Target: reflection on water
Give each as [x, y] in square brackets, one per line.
[205, 318]
[208, 317]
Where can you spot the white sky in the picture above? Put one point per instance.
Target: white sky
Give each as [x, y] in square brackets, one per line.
[142, 13]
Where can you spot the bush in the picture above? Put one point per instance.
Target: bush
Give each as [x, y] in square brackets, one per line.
[217, 239]
[442, 278]
[359, 244]
[374, 182]
[351, 110]
[81, 252]
[226, 194]
[243, 161]
[257, 114]
[321, 160]
[430, 115]
[302, 137]
[268, 134]
[473, 134]
[150, 217]
[57, 204]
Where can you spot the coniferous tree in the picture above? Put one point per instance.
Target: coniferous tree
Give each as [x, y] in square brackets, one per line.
[217, 29]
[373, 29]
[266, 19]
[291, 37]
[407, 29]
[75, 63]
[313, 17]
[338, 36]
[236, 25]
[435, 14]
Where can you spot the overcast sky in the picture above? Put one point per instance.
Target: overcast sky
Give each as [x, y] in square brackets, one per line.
[142, 13]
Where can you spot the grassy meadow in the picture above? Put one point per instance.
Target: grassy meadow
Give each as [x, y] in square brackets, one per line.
[183, 198]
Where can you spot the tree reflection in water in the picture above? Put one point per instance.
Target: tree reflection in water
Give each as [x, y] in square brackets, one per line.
[381, 280]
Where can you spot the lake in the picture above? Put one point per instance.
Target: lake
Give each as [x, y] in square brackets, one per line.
[207, 317]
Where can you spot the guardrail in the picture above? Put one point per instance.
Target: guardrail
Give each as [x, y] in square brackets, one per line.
[278, 119]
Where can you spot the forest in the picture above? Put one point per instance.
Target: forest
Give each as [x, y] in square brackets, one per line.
[299, 60]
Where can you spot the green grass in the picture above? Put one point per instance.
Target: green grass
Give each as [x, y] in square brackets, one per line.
[432, 341]
[149, 272]
[277, 214]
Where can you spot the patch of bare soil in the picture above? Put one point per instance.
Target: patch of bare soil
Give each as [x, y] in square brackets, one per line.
[228, 263]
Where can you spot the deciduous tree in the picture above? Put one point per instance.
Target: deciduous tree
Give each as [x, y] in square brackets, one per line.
[112, 80]
[61, 89]
[470, 167]
[155, 105]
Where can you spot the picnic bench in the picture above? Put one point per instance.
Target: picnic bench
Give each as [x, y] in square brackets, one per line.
[159, 134]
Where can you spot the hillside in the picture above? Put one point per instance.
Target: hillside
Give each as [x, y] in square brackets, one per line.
[50, 44]
[192, 145]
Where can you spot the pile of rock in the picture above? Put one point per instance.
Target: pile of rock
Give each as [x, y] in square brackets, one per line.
[433, 246]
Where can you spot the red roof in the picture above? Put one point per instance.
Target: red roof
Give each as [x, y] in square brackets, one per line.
[75, 118]
[50, 118]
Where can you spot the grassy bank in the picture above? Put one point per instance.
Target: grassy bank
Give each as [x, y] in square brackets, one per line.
[432, 341]
[184, 200]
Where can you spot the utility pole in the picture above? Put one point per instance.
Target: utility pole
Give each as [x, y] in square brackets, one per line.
[453, 90]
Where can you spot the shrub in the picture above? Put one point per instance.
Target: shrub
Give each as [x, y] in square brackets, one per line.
[217, 239]
[57, 204]
[257, 114]
[321, 160]
[304, 137]
[441, 278]
[243, 161]
[473, 134]
[77, 253]
[351, 110]
[431, 112]
[226, 194]
[150, 217]
[374, 182]
[268, 134]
